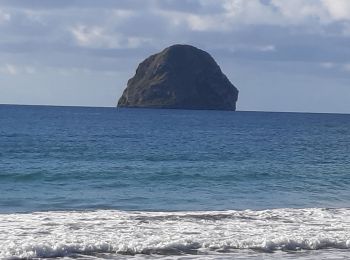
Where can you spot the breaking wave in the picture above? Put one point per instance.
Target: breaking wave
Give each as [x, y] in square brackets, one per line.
[64, 234]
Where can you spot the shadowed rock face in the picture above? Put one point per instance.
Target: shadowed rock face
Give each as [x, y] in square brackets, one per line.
[181, 76]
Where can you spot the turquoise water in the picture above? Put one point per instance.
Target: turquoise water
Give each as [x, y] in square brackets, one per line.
[113, 162]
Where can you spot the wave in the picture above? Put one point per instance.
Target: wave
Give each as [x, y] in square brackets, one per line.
[22, 177]
[59, 234]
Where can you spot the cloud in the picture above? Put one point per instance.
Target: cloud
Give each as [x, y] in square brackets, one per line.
[310, 16]
[69, 33]
[300, 11]
[11, 69]
[86, 36]
[327, 65]
[346, 67]
[228, 15]
[29, 70]
[250, 12]
[8, 69]
[4, 17]
[99, 37]
[338, 9]
[73, 4]
[267, 48]
[204, 22]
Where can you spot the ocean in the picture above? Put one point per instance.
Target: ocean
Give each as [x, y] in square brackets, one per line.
[108, 183]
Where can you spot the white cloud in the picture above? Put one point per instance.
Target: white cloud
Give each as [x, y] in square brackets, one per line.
[86, 36]
[99, 37]
[8, 69]
[346, 67]
[122, 14]
[250, 12]
[267, 48]
[237, 13]
[35, 16]
[4, 17]
[300, 11]
[234, 13]
[11, 69]
[327, 65]
[29, 70]
[338, 9]
[254, 48]
[206, 22]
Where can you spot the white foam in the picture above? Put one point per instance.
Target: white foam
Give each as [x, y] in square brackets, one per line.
[56, 234]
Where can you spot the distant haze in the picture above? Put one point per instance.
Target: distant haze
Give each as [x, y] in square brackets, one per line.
[283, 55]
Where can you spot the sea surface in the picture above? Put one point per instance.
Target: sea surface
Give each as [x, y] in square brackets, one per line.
[108, 183]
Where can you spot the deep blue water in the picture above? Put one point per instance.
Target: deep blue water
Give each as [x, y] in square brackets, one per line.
[71, 158]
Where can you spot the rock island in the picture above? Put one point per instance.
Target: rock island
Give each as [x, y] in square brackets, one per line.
[182, 77]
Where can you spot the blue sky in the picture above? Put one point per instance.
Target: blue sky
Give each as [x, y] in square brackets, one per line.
[283, 55]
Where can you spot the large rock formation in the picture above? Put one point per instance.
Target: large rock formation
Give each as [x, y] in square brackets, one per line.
[181, 76]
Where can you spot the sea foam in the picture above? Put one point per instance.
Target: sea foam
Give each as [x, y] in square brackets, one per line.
[59, 234]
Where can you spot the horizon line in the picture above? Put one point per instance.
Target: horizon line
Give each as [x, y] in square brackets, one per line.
[254, 111]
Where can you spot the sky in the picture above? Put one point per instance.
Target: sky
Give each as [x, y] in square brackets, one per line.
[282, 55]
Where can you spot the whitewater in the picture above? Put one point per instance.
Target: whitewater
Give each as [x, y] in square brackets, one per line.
[210, 234]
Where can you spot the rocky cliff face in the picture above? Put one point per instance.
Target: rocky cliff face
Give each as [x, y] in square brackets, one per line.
[181, 76]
